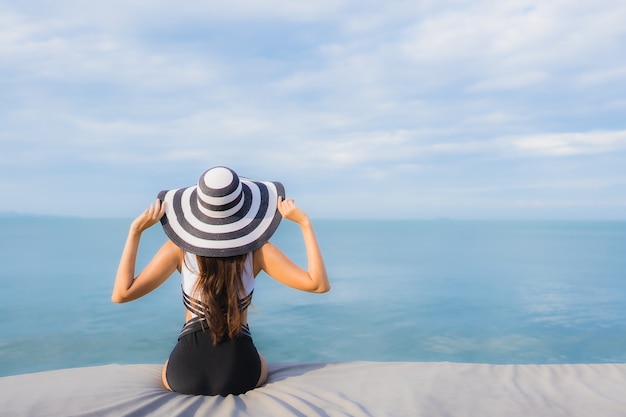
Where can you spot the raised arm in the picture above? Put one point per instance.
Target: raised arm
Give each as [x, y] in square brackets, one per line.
[277, 265]
[127, 287]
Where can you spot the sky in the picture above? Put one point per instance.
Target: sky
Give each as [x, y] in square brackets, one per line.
[442, 109]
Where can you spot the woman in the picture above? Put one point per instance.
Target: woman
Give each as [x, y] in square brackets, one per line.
[219, 234]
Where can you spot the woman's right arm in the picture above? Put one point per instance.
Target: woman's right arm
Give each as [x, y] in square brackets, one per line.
[277, 265]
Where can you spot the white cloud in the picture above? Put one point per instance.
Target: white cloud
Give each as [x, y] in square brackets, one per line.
[603, 76]
[510, 82]
[408, 145]
[432, 96]
[74, 53]
[515, 41]
[125, 16]
[564, 144]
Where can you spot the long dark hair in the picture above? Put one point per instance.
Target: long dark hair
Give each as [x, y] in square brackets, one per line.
[219, 286]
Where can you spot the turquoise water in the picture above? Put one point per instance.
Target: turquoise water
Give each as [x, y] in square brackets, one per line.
[493, 292]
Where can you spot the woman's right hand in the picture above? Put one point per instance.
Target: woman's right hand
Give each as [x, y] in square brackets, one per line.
[277, 265]
[149, 217]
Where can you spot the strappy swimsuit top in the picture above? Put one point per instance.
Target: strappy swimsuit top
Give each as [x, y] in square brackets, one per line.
[189, 274]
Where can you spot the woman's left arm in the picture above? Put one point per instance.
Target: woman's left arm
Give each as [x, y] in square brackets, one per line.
[127, 287]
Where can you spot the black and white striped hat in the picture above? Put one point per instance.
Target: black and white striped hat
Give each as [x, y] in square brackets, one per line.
[224, 215]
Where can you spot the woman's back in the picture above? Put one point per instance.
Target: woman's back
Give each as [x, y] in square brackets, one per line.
[192, 297]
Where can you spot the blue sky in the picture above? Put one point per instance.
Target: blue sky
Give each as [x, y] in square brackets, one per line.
[363, 109]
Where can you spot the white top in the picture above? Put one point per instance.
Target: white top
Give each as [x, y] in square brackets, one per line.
[190, 271]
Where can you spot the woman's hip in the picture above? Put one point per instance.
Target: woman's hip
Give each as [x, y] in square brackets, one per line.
[197, 366]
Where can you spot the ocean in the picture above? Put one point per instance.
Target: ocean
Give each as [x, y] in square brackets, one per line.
[462, 291]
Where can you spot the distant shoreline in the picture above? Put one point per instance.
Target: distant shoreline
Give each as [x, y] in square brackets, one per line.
[18, 215]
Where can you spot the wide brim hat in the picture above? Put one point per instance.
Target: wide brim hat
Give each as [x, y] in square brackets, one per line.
[223, 215]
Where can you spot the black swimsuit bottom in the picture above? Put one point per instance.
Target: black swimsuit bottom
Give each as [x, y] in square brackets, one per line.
[198, 367]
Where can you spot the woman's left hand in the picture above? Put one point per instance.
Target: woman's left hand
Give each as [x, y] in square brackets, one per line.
[149, 217]
[127, 287]
[290, 211]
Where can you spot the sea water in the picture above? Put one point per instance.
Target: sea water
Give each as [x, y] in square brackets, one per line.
[462, 291]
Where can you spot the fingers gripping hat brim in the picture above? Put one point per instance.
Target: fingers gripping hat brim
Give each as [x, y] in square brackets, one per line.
[243, 228]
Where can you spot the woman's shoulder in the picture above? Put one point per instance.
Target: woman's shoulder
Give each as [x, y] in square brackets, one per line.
[267, 248]
[174, 251]
[259, 255]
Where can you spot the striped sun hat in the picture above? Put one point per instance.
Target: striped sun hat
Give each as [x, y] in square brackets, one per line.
[223, 215]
